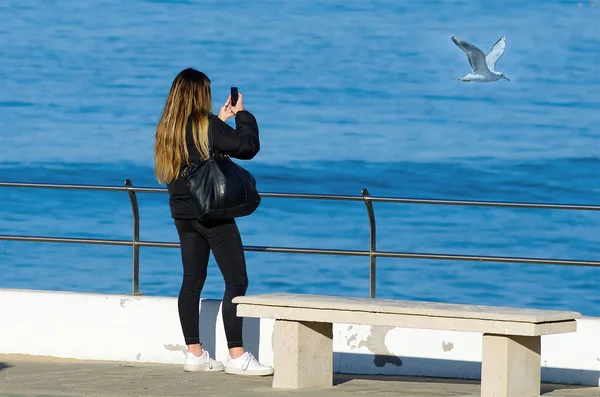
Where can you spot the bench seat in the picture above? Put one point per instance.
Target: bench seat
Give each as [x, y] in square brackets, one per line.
[303, 348]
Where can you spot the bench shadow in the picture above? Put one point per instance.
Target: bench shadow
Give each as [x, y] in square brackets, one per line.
[550, 387]
[404, 369]
[4, 366]
[251, 335]
[340, 378]
[209, 311]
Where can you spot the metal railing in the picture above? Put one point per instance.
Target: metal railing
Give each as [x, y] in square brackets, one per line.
[368, 200]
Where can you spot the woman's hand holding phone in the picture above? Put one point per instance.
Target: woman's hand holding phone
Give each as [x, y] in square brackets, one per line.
[239, 105]
[227, 111]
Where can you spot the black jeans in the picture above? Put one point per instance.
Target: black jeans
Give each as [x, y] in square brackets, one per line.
[197, 240]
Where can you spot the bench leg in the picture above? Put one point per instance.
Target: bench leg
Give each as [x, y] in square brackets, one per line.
[303, 354]
[511, 366]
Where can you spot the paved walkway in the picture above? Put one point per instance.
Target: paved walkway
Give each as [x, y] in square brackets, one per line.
[39, 376]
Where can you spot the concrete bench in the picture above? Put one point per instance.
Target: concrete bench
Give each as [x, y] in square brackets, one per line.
[303, 347]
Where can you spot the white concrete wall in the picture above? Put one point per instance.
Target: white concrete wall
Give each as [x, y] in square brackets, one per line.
[146, 329]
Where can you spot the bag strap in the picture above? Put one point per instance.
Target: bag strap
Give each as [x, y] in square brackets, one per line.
[211, 148]
[212, 154]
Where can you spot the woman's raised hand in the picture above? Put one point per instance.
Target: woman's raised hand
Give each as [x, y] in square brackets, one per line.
[226, 111]
[239, 105]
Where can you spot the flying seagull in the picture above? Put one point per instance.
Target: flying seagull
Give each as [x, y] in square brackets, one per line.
[482, 65]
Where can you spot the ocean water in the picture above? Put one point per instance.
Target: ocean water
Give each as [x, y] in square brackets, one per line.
[348, 94]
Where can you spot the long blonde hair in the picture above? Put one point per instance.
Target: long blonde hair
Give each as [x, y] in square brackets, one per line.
[189, 99]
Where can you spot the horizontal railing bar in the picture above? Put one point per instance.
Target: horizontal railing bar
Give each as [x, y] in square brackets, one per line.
[148, 190]
[281, 250]
[319, 251]
[579, 207]
[467, 203]
[303, 196]
[71, 240]
[160, 244]
[163, 190]
[313, 196]
[157, 244]
[475, 203]
[60, 186]
[481, 258]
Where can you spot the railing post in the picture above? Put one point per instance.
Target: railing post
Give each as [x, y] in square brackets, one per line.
[135, 259]
[372, 243]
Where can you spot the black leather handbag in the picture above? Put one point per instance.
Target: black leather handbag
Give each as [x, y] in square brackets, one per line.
[219, 188]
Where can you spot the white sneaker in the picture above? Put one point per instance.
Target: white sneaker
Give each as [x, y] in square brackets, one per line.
[247, 365]
[195, 363]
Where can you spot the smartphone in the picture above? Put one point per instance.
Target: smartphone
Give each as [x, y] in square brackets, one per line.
[234, 96]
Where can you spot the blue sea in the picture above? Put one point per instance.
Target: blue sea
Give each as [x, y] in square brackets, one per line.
[349, 95]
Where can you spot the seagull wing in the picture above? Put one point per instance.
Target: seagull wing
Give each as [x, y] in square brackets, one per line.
[495, 53]
[475, 56]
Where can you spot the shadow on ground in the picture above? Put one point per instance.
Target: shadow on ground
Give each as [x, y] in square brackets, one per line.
[339, 379]
[399, 369]
[3, 366]
[549, 388]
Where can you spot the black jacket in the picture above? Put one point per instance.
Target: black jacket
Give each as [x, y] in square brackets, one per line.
[241, 142]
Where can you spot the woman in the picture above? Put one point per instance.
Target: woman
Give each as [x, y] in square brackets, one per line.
[182, 138]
